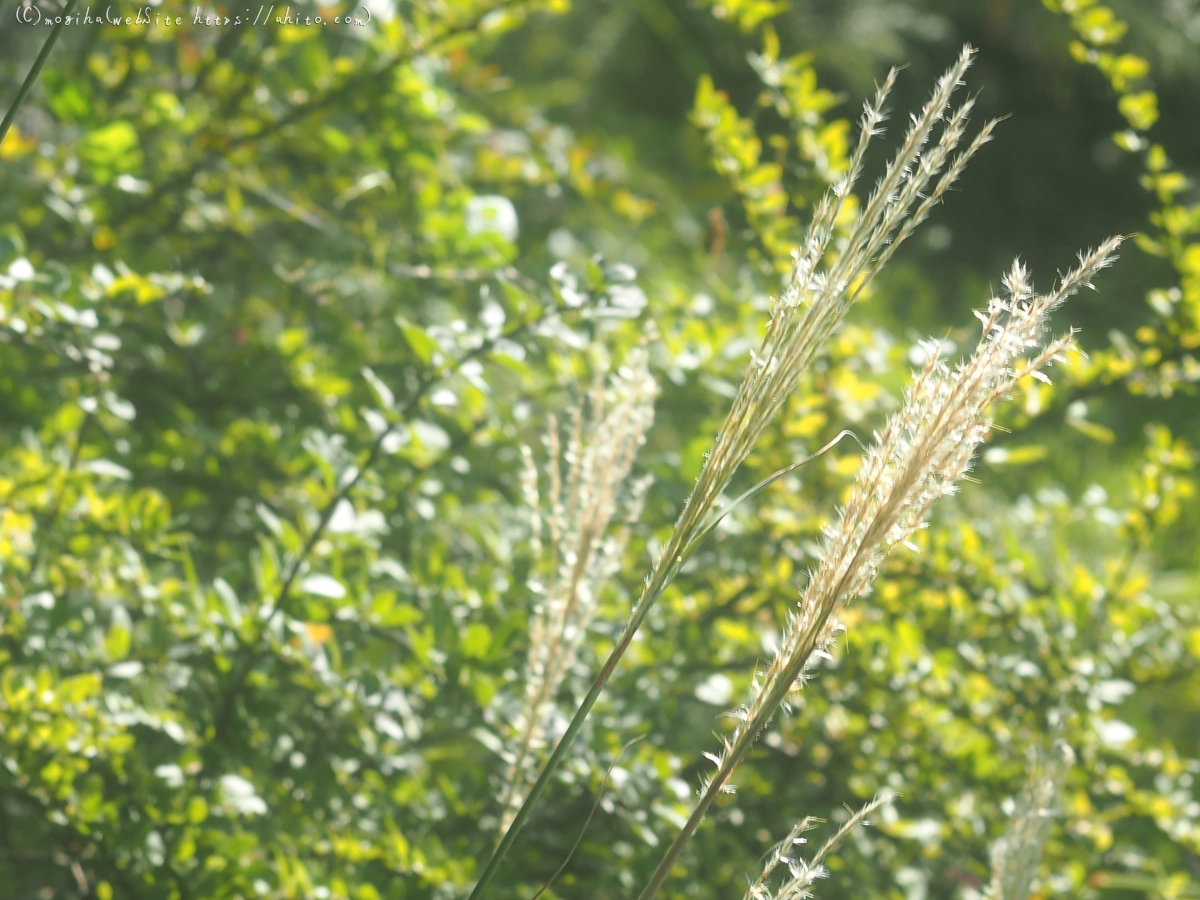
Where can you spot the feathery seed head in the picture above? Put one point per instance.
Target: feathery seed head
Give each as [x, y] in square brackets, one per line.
[825, 282]
[589, 490]
[923, 451]
[1015, 856]
[804, 872]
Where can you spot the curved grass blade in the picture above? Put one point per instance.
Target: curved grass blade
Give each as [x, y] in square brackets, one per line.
[588, 821]
[761, 486]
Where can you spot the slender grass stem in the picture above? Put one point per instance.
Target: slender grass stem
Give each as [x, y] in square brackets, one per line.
[923, 452]
[31, 78]
[654, 588]
[735, 753]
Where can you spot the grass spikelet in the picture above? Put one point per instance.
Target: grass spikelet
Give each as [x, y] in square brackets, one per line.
[582, 550]
[801, 872]
[923, 452]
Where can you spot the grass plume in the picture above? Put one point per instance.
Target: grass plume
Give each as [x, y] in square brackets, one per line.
[1015, 855]
[827, 277]
[801, 872]
[580, 551]
[925, 449]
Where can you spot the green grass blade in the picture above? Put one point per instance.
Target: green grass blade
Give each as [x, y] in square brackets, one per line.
[31, 78]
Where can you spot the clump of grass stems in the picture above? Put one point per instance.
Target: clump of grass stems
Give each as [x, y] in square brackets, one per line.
[580, 552]
[827, 277]
[925, 449]
[1016, 854]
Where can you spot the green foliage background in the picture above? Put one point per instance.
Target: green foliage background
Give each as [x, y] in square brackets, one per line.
[279, 305]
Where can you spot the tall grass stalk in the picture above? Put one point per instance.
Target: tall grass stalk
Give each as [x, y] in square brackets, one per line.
[822, 288]
[923, 452]
[580, 552]
[32, 76]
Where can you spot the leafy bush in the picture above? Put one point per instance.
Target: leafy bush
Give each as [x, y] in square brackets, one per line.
[290, 596]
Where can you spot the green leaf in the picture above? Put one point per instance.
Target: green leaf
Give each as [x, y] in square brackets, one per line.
[424, 346]
[386, 398]
[117, 642]
[1094, 431]
[1014, 456]
[111, 151]
[1140, 109]
[476, 641]
[197, 809]
[323, 586]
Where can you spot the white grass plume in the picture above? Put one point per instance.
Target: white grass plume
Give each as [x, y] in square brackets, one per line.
[801, 872]
[923, 452]
[822, 290]
[827, 277]
[824, 285]
[1016, 855]
[580, 550]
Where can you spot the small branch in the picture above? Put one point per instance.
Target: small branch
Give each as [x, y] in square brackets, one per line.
[48, 523]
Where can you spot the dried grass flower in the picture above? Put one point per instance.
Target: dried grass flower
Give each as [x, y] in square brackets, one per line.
[829, 274]
[925, 449]
[801, 873]
[589, 488]
[1016, 855]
